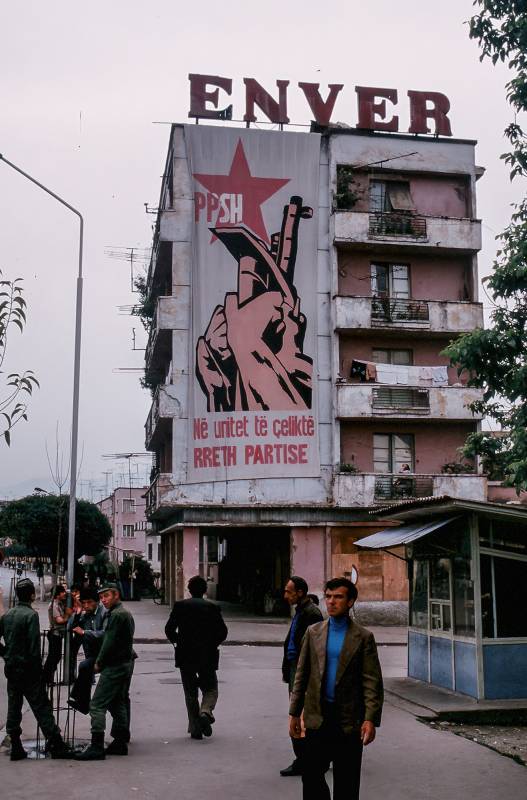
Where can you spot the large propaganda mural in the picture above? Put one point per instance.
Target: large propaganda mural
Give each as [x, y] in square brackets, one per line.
[253, 372]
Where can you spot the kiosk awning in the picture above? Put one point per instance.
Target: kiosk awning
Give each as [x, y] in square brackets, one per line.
[391, 537]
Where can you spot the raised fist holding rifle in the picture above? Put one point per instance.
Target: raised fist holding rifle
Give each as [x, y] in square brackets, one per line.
[251, 357]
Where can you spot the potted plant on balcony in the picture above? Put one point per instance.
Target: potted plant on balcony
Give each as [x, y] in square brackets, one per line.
[349, 468]
[457, 468]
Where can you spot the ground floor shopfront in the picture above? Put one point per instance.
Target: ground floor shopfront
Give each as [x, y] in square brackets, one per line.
[247, 560]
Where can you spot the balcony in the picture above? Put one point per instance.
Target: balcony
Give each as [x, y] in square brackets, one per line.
[159, 347]
[362, 401]
[164, 407]
[369, 489]
[439, 317]
[156, 491]
[439, 233]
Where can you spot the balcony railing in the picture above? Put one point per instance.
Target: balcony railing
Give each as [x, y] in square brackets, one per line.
[397, 224]
[386, 309]
[405, 398]
[403, 486]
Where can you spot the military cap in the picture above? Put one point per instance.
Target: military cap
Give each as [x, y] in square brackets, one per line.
[25, 583]
[109, 586]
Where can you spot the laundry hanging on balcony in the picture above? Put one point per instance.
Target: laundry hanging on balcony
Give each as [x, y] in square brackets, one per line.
[365, 370]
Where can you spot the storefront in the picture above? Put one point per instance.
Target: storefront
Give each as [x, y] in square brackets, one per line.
[467, 571]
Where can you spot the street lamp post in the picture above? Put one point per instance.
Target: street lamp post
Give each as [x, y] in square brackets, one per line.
[76, 371]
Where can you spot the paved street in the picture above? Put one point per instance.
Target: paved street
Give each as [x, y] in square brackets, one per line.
[250, 745]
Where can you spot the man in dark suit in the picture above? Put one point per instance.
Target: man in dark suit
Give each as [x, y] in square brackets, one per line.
[306, 614]
[338, 686]
[196, 629]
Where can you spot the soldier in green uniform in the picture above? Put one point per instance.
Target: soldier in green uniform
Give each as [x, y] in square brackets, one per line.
[115, 664]
[20, 631]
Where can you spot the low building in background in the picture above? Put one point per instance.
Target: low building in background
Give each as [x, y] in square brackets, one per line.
[125, 509]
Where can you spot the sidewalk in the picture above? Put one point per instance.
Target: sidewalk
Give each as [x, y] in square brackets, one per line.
[244, 628]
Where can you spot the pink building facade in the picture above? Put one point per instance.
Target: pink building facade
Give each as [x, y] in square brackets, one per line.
[398, 237]
[125, 509]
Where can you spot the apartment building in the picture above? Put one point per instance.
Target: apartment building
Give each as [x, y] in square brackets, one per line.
[125, 509]
[297, 372]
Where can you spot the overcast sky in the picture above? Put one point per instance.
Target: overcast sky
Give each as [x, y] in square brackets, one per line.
[83, 86]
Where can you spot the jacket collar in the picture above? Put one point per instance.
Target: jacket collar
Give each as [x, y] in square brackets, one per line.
[350, 646]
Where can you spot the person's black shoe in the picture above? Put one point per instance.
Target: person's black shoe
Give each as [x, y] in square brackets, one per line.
[205, 724]
[117, 748]
[196, 735]
[57, 748]
[95, 751]
[80, 707]
[17, 751]
[293, 770]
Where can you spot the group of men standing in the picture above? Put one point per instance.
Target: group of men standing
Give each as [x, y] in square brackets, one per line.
[107, 640]
[331, 667]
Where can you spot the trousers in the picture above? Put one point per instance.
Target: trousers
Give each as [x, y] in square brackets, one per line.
[81, 689]
[30, 686]
[196, 678]
[329, 744]
[54, 655]
[111, 695]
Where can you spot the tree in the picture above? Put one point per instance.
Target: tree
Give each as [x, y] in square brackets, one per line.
[497, 357]
[18, 386]
[34, 521]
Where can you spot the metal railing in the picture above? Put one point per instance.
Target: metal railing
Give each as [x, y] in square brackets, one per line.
[403, 486]
[397, 224]
[407, 398]
[388, 309]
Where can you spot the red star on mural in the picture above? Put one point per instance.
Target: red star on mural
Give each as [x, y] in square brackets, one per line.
[255, 191]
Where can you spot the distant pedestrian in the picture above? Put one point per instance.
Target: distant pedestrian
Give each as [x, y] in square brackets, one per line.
[338, 686]
[115, 664]
[196, 629]
[58, 615]
[20, 631]
[40, 577]
[306, 614]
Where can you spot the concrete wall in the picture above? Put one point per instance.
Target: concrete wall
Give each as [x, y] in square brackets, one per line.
[434, 445]
[431, 278]
[437, 195]
[308, 557]
[426, 352]
[356, 401]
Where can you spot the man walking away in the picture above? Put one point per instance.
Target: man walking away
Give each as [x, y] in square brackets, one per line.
[58, 615]
[196, 629]
[338, 685]
[20, 631]
[114, 663]
[307, 613]
[89, 632]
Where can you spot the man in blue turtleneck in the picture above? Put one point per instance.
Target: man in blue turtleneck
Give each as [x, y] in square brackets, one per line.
[338, 686]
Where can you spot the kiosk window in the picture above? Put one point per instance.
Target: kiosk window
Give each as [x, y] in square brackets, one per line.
[503, 597]
[463, 586]
[419, 602]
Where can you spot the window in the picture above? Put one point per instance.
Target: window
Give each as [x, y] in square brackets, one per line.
[440, 611]
[404, 358]
[387, 196]
[129, 531]
[129, 506]
[390, 280]
[150, 548]
[159, 552]
[419, 594]
[503, 597]
[463, 587]
[391, 451]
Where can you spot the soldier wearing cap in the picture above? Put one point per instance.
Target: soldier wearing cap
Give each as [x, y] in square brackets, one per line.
[115, 665]
[20, 631]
